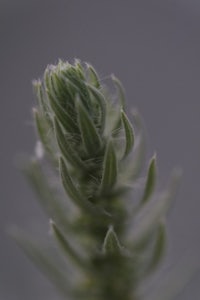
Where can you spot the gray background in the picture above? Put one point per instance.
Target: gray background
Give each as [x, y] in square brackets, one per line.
[153, 46]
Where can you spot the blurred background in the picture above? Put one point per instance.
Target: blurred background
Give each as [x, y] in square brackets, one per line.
[153, 46]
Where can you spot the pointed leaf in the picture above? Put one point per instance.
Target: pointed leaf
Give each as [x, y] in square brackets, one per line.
[65, 147]
[72, 190]
[102, 104]
[64, 89]
[111, 243]
[43, 104]
[93, 76]
[150, 181]
[64, 118]
[134, 170]
[129, 133]
[79, 69]
[155, 210]
[44, 129]
[64, 95]
[120, 91]
[90, 137]
[47, 79]
[80, 86]
[109, 176]
[66, 247]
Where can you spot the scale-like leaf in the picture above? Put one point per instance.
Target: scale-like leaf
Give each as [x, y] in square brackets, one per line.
[121, 91]
[72, 190]
[129, 133]
[65, 147]
[68, 184]
[109, 175]
[43, 104]
[64, 118]
[102, 104]
[150, 181]
[79, 86]
[151, 214]
[90, 137]
[43, 130]
[111, 243]
[79, 69]
[134, 169]
[93, 76]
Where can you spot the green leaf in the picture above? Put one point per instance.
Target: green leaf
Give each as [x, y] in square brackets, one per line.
[79, 85]
[43, 104]
[93, 76]
[151, 213]
[109, 175]
[72, 190]
[129, 133]
[134, 169]
[41, 258]
[63, 116]
[102, 104]
[65, 147]
[150, 181]
[79, 68]
[66, 247]
[111, 243]
[121, 91]
[90, 137]
[44, 131]
[64, 94]
[47, 79]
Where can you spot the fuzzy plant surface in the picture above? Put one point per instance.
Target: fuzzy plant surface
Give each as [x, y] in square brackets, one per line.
[107, 217]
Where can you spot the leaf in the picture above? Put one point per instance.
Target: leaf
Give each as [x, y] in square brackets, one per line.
[64, 94]
[129, 133]
[79, 86]
[133, 170]
[44, 130]
[47, 79]
[64, 118]
[102, 104]
[94, 79]
[90, 137]
[72, 190]
[150, 181]
[79, 69]
[43, 261]
[66, 247]
[121, 92]
[109, 175]
[111, 243]
[65, 147]
[151, 214]
[43, 104]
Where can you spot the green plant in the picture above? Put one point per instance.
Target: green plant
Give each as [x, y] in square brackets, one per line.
[108, 222]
